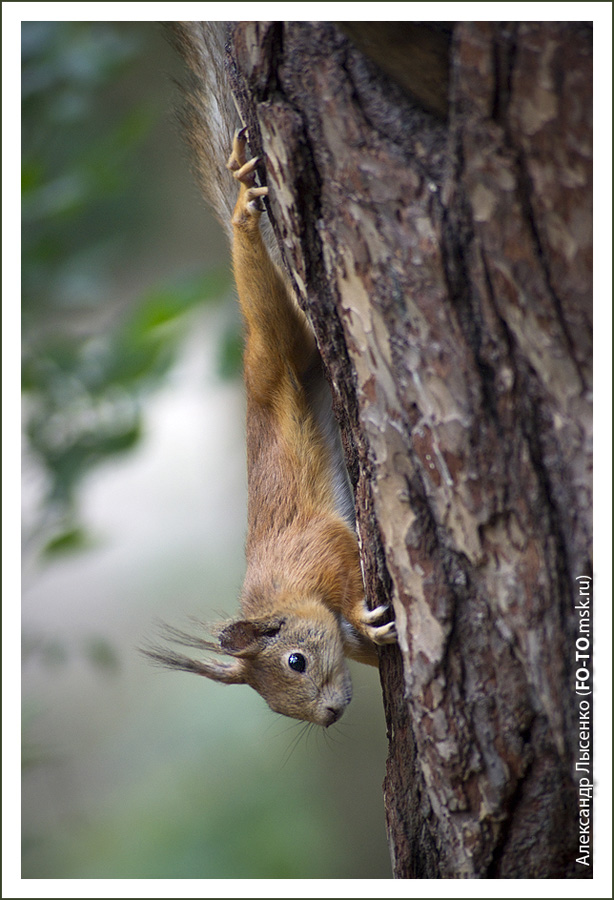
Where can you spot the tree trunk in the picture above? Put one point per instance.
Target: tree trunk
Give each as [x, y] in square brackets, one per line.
[435, 218]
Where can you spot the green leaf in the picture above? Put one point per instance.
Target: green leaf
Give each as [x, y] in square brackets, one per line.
[68, 542]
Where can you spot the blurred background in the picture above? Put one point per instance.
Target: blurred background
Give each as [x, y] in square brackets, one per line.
[134, 509]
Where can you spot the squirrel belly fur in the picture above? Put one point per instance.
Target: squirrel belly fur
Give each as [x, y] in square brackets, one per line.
[303, 608]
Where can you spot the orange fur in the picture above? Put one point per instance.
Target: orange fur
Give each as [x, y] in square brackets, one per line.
[303, 605]
[298, 546]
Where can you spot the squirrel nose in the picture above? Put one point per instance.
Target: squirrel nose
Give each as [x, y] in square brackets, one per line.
[333, 715]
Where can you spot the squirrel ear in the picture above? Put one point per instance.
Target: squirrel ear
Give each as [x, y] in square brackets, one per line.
[247, 636]
[226, 672]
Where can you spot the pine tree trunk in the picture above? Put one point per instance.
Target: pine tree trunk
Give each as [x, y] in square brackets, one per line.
[432, 202]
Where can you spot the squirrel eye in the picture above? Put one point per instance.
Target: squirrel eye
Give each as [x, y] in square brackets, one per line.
[297, 662]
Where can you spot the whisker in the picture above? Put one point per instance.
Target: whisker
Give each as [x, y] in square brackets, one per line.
[303, 730]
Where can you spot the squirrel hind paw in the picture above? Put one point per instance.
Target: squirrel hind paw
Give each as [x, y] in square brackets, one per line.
[249, 206]
[238, 157]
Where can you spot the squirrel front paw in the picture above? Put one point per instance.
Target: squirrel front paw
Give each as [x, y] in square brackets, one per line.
[385, 633]
[249, 204]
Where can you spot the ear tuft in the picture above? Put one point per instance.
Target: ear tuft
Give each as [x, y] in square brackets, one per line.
[225, 672]
[174, 635]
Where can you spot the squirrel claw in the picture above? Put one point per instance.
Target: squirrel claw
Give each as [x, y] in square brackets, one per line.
[372, 615]
[382, 634]
[253, 199]
[243, 169]
[379, 634]
[246, 174]
[238, 157]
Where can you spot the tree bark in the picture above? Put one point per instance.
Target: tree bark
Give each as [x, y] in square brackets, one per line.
[437, 230]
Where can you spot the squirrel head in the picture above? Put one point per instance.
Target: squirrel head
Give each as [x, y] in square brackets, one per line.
[295, 661]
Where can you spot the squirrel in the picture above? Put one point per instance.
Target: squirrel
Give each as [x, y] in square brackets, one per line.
[303, 607]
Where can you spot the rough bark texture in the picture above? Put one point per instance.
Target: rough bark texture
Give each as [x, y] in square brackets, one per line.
[443, 252]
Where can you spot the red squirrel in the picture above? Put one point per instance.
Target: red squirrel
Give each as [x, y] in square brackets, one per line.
[303, 608]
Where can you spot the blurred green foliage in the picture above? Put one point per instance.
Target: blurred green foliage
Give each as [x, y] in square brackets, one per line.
[125, 786]
[88, 358]
[51, 652]
[248, 832]
[77, 161]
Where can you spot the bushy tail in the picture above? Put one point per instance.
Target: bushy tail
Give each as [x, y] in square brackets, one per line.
[208, 114]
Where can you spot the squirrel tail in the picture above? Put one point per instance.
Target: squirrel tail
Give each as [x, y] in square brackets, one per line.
[209, 118]
[207, 114]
